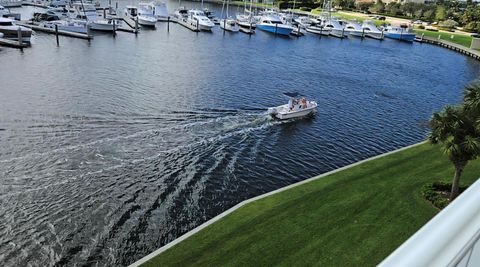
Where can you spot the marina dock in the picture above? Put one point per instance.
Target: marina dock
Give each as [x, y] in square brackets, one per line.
[52, 31]
[449, 45]
[12, 43]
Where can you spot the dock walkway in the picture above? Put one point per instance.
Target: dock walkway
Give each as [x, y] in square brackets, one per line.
[449, 45]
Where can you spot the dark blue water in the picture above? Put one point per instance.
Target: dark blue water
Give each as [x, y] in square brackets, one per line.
[112, 148]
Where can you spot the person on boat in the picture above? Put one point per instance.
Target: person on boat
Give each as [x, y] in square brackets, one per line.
[303, 102]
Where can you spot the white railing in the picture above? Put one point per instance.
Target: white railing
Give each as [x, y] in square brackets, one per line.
[449, 239]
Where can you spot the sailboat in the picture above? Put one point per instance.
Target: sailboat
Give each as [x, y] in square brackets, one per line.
[246, 21]
[228, 23]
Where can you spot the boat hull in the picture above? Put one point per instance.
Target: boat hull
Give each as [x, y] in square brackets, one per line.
[66, 27]
[279, 29]
[281, 112]
[409, 37]
[374, 35]
[319, 31]
[340, 33]
[147, 22]
[246, 24]
[103, 27]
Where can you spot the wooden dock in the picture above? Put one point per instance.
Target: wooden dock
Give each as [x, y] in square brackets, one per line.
[52, 31]
[449, 45]
[12, 43]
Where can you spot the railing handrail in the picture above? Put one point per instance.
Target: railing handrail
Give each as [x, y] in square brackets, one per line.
[446, 238]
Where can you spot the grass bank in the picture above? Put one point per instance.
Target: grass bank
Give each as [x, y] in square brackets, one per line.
[460, 39]
[355, 217]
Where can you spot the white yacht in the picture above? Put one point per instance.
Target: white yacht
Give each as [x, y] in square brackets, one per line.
[229, 24]
[317, 27]
[133, 13]
[161, 11]
[297, 107]
[10, 30]
[336, 29]
[70, 25]
[303, 22]
[371, 30]
[197, 18]
[146, 14]
[354, 29]
[270, 22]
[88, 12]
[246, 21]
[180, 14]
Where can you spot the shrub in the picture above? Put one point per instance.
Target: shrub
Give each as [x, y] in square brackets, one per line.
[421, 27]
[433, 193]
[448, 24]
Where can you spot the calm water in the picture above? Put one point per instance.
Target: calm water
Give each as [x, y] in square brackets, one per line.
[113, 148]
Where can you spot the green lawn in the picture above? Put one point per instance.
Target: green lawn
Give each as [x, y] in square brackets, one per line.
[457, 38]
[355, 217]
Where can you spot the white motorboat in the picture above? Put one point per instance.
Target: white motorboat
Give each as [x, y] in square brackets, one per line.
[318, 28]
[88, 13]
[303, 22]
[246, 21]
[145, 18]
[60, 12]
[70, 25]
[198, 19]
[161, 11]
[354, 29]
[229, 24]
[336, 29]
[270, 22]
[297, 107]
[400, 33]
[371, 30]
[10, 30]
[210, 15]
[11, 3]
[180, 14]
[146, 14]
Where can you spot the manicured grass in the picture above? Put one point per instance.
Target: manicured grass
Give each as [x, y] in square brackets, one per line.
[460, 39]
[355, 217]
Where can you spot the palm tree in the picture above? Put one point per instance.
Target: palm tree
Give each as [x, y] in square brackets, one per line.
[458, 129]
[455, 127]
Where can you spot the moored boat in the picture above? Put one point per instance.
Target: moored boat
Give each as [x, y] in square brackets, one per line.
[229, 24]
[400, 33]
[270, 22]
[370, 30]
[10, 30]
[161, 11]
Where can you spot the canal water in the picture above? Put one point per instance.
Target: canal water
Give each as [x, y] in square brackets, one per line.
[110, 149]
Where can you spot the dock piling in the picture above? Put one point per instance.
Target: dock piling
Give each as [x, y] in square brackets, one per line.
[276, 28]
[56, 35]
[363, 32]
[19, 35]
[136, 25]
[168, 24]
[114, 32]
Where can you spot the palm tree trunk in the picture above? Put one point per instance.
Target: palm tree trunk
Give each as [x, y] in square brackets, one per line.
[456, 180]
